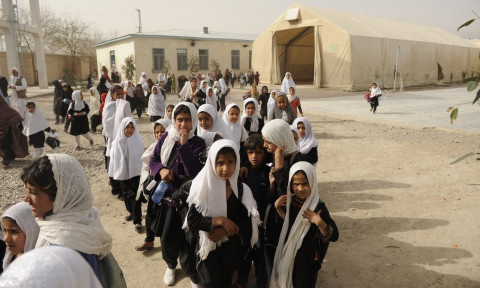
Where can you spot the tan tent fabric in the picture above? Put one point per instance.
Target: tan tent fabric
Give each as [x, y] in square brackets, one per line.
[329, 48]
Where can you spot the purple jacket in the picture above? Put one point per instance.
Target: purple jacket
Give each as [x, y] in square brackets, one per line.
[187, 162]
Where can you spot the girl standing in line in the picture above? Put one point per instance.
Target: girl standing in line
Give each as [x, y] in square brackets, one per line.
[125, 167]
[231, 117]
[287, 82]
[282, 110]
[307, 142]
[156, 105]
[176, 158]
[306, 232]
[222, 212]
[294, 101]
[78, 111]
[209, 121]
[251, 120]
[271, 102]
[21, 231]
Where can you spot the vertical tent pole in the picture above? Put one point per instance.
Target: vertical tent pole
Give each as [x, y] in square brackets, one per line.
[396, 70]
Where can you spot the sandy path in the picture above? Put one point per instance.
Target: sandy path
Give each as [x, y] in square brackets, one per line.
[398, 204]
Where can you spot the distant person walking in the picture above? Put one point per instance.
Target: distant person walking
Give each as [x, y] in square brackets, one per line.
[375, 92]
[18, 85]
[287, 83]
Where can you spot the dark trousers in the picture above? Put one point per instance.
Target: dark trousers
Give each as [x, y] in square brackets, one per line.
[6, 146]
[374, 103]
[257, 255]
[155, 118]
[222, 102]
[129, 192]
[152, 210]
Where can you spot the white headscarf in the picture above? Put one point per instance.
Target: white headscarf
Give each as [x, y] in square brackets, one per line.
[279, 133]
[218, 124]
[52, 266]
[375, 91]
[126, 153]
[255, 117]
[212, 100]
[77, 100]
[208, 194]
[287, 83]
[122, 110]
[147, 155]
[187, 91]
[75, 223]
[108, 118]
[271, 101]
[156, 103]
[309, 141]
[287, 248]
[143, 78]
[238, 131]
[174, 135]
[209, 138]
[160, 77]
[21, 213]
[203, 89]
[34, 122]
[94, 100]
[108, 99]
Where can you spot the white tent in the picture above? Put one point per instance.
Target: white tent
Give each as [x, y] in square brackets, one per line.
[349, 51]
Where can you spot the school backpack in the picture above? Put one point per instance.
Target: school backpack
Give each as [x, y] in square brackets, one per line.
[179, 198]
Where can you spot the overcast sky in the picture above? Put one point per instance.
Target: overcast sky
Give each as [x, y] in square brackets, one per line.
[118, 17]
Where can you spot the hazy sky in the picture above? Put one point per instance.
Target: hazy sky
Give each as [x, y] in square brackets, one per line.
[118, 17]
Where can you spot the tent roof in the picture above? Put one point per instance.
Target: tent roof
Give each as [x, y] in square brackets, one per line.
[363, 25]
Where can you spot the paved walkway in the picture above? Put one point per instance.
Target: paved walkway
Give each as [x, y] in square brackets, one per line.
[420, 108]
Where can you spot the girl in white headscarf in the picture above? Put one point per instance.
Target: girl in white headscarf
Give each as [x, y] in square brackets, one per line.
[94, 101]
[231, 117]
[271, 102]
[143, 78]
[51, 266]
[375, 93]
[156, 105]
[278, 138]
[21, 231]
[287, 83]
[174, 160]
[209, 121]
[189, 92]
[221, 212]
[211, 97]
[34, 126]
[78, 111]
[251, 119]
[59, 194]
[307, 230]
[159, 128]
[126, 166]
[307, 142]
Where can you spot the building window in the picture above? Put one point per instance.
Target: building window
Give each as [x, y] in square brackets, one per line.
[235, 59]
[182, 61]
[250, 60]
[203, 55]
[158, 58]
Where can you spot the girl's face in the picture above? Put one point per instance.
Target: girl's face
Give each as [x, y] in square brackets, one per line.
[193, 83]
[204, 84]
[265, 90]
[39, 201]
[282, 103]
[129, 84]
[295, 137]
[250, 109]
[169, 112]
[154, 90]
[300, 186]
[269, 145]
[138, 88]
[91, 93]
[129, 130]
[183, 121]
[233, 114]
[374, 86]
[119, 94]
[291, 91]
[205, 120]
[13, 237]
[65, 88]
[273, 95]
[31, 109]
[287, 76]
[301, 129]
[225, 165]
[159, 131]
[210, 92]
[254, 88]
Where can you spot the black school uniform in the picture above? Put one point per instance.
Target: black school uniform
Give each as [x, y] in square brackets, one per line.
[38, 139]
[248, 124]
[79, 123]
[312, 156]
[310, 255]
[217, 269]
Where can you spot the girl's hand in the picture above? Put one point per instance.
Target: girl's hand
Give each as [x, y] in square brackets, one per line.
[314, 218]
[230, 227]
[281, 202]
[217, 234]
[166, 175]
[271, 178]
[279, 156]
[183, 136]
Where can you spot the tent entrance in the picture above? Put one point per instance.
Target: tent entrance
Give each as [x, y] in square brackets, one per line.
[296, 53]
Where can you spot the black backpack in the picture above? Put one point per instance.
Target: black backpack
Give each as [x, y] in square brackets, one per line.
[179, 198]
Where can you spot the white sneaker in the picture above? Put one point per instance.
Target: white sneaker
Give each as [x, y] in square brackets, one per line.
[169, 277]
[196, 285]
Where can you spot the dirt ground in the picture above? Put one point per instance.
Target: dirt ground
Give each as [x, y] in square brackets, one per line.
[406, 217]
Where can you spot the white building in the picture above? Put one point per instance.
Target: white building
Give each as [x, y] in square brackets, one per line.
[153, 52]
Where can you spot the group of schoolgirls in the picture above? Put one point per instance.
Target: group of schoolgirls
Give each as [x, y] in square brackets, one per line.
[225, 224]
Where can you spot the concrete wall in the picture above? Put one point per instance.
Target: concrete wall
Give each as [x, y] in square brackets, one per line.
[55, 66]
[142, 49]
